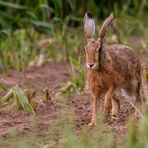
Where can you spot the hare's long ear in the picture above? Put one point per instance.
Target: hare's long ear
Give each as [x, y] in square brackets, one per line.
[89, 25]
[106, 26]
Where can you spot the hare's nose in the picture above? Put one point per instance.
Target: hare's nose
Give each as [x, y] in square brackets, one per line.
[91, 65]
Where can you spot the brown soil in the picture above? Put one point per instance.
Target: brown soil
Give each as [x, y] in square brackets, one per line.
[51, 75]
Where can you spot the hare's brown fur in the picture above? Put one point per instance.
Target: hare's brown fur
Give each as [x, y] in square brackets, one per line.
[110, 68]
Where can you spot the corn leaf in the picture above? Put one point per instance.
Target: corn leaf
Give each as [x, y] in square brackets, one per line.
[12, 5]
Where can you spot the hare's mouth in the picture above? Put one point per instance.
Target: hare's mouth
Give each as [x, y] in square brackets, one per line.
[91, 65]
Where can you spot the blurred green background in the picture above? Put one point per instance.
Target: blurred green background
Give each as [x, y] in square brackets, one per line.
[25, 24]
[33, 32]
[41, 14]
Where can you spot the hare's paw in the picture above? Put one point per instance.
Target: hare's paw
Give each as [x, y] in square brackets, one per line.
[137, 116]
[114, 118]
[92, 124]
[107, 110]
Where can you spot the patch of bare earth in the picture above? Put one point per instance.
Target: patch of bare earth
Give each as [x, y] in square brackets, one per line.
[51, 75]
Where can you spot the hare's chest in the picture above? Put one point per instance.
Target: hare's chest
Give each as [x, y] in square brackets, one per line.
[95, 83]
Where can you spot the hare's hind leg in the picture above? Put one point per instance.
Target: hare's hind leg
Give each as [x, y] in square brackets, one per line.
[138, 102]
[115, 108]
[107, 101]
[135, 86]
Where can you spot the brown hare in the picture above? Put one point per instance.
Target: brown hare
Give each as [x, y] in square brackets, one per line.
[109, 69]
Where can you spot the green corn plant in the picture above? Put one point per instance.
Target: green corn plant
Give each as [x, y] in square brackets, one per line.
[18, 48]
[137, 136]
[132, 136]
[77, 78]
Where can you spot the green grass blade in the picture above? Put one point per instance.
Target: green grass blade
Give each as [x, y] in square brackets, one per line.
[12, 5]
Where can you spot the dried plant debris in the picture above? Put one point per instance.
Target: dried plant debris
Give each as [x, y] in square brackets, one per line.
[2, 87]
[47, 95]
[16, 98]
[23, 99]
[38, 62]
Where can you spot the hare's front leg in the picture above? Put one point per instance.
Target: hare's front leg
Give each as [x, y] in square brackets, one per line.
[94, 111]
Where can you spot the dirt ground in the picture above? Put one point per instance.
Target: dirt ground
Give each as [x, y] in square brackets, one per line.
[51, 75]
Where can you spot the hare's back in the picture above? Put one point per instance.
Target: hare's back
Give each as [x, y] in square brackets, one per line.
[123, 59]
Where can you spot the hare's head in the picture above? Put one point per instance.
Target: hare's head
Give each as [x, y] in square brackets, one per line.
[93, 47]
